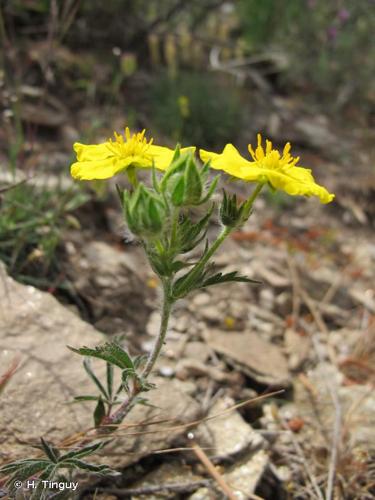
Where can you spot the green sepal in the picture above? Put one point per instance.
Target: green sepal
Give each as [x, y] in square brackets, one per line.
[178, 192]
[193, 183]
[144, 211]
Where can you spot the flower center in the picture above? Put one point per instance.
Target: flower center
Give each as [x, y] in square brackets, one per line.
[130, 145]
[271, 159]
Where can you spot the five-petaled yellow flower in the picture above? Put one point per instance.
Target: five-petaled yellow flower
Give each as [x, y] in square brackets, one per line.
[101, 161]
[281, 171]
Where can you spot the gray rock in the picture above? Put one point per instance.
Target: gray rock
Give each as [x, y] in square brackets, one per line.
[113, 282]
[36, 328]
[357, 406]
[227, 434]
[249, 353]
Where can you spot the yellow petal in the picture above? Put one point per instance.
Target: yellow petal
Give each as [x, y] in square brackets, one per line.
[92, 151]
[162, 156]
[230, 160]
[299, 187]
[98, 169]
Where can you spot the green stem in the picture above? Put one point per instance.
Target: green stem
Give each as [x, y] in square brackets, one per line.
[127, 405]
[198, 268]
[166, 311]
[254, 194]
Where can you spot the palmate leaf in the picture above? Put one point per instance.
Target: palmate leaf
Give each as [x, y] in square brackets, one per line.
[41, 492]
[27, 470]
[99, 469]
[51, 452]
[226, 278]
[39, 464]
[110, 352]
[82, 452]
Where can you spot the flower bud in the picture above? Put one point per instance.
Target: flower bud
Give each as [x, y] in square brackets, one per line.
[184, 182]
[144, 212]
[232, 214]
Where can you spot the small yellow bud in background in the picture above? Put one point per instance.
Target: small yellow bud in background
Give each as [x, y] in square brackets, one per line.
[183, 104]
[128, 64]
[154, 49]
[170, 54]
[152, 283]
[229, 322]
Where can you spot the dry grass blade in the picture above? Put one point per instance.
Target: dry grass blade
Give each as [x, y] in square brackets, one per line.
[211, 469]
[4, 379]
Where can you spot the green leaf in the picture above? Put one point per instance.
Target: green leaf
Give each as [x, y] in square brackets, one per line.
[182, 287]
[28, 470]
[99, 413]
[110, 380]
[191, 233]
[78, 399]
[177, 265]
[21, 464]
[91, 374]
[110, 352]
[99, 469]
[225, 278]
[51, 452]
[82, 452]
[40, 492]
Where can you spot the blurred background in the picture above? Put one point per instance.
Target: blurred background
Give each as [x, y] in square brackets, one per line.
[201, 72]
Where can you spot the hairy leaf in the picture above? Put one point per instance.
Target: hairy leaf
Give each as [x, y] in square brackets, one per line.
[110, 352]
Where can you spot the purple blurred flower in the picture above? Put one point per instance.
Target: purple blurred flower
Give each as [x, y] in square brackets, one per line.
[311, 3]
[343, 15]
[332, 33]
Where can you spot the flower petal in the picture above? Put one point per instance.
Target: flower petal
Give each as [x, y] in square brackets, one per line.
[230, 160]
[304, 186]
[92, 151]
[98, 169]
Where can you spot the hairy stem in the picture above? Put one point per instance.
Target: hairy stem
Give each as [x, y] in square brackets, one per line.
[119, 415]
[166, 311]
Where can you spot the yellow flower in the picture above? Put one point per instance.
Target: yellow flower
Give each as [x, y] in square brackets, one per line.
[269, 165]
[101, 161]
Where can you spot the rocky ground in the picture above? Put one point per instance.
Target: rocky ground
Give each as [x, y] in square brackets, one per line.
[267, 388]
[264, 391]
